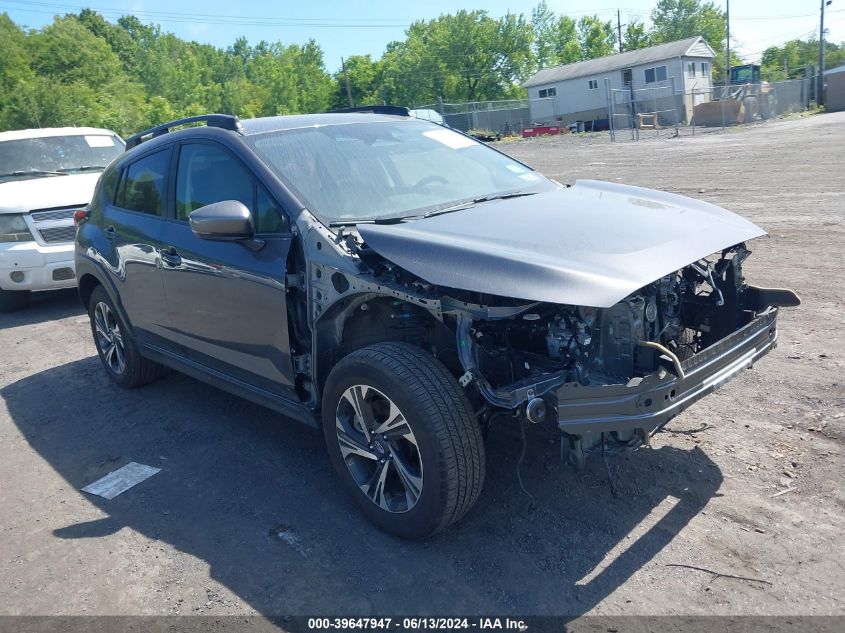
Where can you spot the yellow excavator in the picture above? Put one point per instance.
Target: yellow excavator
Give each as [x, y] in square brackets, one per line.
[744, 101]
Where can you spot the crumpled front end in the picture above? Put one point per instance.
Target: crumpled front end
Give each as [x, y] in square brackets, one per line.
[626, 370]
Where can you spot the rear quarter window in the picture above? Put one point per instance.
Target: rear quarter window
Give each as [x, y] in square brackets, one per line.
[142, 187]
[104, 193]
[108, 185]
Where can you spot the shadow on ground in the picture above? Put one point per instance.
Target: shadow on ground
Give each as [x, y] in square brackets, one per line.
[45, 306]
[234, 475]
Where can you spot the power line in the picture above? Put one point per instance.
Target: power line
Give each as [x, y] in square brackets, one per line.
[193, 14]
[264, 20]
[782, 16]
[754, 53]
[782, 36]
[182, 18]
[210, 18]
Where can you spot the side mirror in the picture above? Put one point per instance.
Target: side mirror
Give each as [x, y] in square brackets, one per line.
[228, 220]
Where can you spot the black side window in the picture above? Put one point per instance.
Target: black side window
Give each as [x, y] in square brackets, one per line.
[268, 215]
[208, 174]
[142, 186]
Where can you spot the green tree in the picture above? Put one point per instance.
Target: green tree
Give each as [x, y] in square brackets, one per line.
[363, 74]
[17, 108]
[674, 20]
[84, 70]
[597, 38]
[117, 37]
[568, 47]
[788, 61]
[635, 36]
[544, 27]
[562, 40]
[65, 74]
[67, 52]
[314, 85]
[467, 56]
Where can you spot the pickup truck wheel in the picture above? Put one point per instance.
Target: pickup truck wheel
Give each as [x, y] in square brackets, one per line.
[402, 436]
[115, 346]
[11, 300]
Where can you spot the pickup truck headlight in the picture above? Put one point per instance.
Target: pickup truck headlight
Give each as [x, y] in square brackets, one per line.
[14, 229]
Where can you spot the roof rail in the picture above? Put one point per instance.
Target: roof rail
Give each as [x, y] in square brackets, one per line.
[377, 109]
[225, 121]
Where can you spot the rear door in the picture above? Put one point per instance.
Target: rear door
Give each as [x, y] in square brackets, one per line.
[132, 226]
[227, 300]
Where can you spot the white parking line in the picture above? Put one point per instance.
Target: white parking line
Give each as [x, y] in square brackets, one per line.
[120, 480]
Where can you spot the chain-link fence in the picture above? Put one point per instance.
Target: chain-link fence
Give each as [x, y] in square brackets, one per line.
[649, 108]
[496, 118]
[635, 113]
[640, 112]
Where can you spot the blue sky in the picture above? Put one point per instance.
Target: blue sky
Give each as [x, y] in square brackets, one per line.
[348, 28]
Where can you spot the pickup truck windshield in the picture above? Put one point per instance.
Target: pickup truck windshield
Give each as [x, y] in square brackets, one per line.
[48, 156]
[360, 172]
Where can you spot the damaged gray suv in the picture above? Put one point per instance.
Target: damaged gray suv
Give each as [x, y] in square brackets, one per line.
[400, 285]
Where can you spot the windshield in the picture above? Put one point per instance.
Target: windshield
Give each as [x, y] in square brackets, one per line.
[360, 172]
[57, 155]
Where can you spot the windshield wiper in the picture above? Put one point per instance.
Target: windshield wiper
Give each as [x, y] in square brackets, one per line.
[35, 172]
[396, 220]
[65, 170]
[390, 220]
[456, 207]
[480, 200]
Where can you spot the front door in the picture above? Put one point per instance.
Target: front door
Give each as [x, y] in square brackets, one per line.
[227, 300]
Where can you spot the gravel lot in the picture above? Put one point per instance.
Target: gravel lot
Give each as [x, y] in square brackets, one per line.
[201, 536]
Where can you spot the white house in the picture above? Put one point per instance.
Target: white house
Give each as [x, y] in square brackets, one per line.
[578, 92]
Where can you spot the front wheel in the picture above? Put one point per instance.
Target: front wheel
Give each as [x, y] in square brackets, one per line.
[401, 435]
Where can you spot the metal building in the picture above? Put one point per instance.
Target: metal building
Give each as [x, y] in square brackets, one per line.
[579, 91]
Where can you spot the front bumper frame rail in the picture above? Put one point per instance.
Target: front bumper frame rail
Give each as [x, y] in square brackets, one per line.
[661, 396]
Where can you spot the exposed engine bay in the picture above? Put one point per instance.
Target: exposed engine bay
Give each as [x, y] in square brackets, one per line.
[683, 313]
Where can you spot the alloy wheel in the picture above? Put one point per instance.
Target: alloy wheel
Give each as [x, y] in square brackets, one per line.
[109, 338]
[379, 448]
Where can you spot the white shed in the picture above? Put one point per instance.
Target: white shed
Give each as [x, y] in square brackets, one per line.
[577, 92]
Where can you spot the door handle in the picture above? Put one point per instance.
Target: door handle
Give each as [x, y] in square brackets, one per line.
[110, 232]
[170, 256]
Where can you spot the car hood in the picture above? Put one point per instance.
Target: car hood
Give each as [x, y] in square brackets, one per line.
[22, 196]
[591, 244]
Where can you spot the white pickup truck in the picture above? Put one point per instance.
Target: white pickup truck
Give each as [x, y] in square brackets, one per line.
[45, 176]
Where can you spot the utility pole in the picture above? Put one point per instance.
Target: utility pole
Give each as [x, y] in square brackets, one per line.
[619, 29]
[346, 79]
[820, 89]
[728, 42]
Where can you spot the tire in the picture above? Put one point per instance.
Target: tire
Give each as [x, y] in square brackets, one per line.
[433, 449]
[116, 348]
[751, 110]
[12, 300]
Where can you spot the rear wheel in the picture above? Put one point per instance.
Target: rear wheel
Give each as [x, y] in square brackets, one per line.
[11, 300]
[401, 435]
[115, 346]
